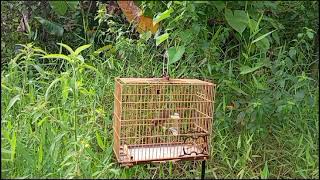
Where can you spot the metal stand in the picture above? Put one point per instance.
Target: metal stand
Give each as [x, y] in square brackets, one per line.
[203, 169]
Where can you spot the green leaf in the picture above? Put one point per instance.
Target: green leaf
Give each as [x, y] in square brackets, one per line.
[60, 7]
[292, 52]
[73, 4]
[54, 142]
[310, 34]
[80, 57]
[175, 54]
[253, 25]
[80, 49]
[99, 140]
[238, 20]
[220, 5]
[58, 56]
[13, 101]
[52, 27]
[300, 35]
[40, 155]
[102, 49]
[65, 87]
[67, 47]
[13, 145]
[162, 16]
[42, 121]
[247, 69]
[39, 50]
[263, 44]
[49, 88]
[265, 172]
[262, 37]
[161, 38]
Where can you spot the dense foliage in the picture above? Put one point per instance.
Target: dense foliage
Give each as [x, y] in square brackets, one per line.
[58, 71]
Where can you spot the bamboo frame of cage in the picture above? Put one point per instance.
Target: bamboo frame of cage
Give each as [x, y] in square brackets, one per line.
[162, 120]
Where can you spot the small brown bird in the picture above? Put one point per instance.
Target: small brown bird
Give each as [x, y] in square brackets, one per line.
[175, 129]
[158, 120]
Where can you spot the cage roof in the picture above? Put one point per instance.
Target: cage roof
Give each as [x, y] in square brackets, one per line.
[162, 81]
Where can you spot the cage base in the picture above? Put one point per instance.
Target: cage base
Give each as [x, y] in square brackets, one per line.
[159, 153]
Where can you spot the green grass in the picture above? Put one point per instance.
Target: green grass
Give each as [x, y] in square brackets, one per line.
[38, 129]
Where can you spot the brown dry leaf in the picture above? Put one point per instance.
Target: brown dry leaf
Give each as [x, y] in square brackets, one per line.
[146, 24]
[134, 14]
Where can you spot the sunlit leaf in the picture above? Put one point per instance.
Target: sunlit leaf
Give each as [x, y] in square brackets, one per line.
[161, 38]
[162, 16]
[80, 49]
[57, 56]
[263, 36]
[67, 47]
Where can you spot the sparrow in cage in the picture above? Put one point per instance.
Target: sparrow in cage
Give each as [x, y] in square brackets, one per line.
[174, 131]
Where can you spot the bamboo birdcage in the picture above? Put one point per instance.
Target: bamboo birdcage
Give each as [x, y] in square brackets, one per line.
[162, 120]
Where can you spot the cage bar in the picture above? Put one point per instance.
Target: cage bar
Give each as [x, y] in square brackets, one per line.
[162, 120]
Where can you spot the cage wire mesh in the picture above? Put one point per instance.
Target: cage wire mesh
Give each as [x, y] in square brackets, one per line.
[162, 120]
